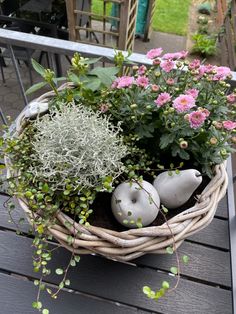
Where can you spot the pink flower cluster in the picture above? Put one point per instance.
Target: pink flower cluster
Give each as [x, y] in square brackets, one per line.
[229, 125]
[198, 117]
[222, 73]
[162, 99]
[218, 73]
[192, 92]
[167, 65]
[231, 98]
[175, 55]
[142, 70]
[154, 53]
[142, 81]
[183, 103]
[195, 64]
[122, 82]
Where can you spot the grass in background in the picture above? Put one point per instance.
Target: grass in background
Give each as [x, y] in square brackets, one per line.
[171, 16]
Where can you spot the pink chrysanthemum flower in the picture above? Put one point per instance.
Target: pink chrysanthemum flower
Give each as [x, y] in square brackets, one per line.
[104, 108]
[170, 81]
[142, 70]
[167, 65]
[142, 81]
[222, 73]
[231, 98]
[184, 103]
[205, 69]
[229, 125]
[162, 99]
[175, 55]
[155, 87]
[154, 53]
[193, 92]
[171, 56]
[205, 111]
[195, 64]
[196, 119]
[122, 82]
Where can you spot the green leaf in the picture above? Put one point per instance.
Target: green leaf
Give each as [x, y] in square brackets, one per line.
[169, 250]
[167, 139]
[146, 290]
[74, 78]
[59, 271]
[37, 305]
[38, 67]
[165, 285]
[174, 270]
[67, 282]
[35, 87]
[185, 259]
[45, 188]
[73, 263]
[106, 75]
[93, 84]
[91, 61]
[77, 258]
[184, 155]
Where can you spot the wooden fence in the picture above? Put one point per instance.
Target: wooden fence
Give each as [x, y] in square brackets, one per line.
[100, 32]
[227, 37]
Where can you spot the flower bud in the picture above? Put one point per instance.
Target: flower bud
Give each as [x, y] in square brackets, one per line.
[213, 141]
[171, 110]
[148, 107]
[214, 102]
[223, 152]
[172, 124]
[157, 74]
[133, 117]
[186, 117]
[166, 112]
[155, 87]
[183, 144]
[133, 106]
[156, 62]
[135, 68]
[233, 139]
[218, 125]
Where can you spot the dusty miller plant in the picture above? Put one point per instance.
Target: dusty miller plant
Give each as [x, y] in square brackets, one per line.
[78, 144]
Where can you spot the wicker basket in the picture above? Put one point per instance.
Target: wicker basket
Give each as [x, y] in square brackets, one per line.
[130, 244]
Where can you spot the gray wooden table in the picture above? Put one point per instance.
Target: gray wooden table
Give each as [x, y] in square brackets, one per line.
[102, 286]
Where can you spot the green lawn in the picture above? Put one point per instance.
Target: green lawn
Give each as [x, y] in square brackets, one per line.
[171, 16]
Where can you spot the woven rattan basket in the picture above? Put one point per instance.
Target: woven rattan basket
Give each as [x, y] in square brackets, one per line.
[130, 244]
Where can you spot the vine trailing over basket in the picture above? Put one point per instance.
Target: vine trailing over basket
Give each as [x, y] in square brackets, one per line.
[100, 130]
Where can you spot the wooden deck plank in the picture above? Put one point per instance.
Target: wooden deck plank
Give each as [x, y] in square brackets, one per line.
[118, 282]
[206, 264]
[222, 210]
[17, 295]
[216, 234]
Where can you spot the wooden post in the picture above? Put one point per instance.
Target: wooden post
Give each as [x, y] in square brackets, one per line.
[127, 24]
[148, 26]
[71, 17]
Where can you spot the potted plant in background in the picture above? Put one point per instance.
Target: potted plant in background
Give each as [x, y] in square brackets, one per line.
[102, 141]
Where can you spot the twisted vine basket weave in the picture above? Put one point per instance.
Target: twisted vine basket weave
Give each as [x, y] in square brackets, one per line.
[130, 244]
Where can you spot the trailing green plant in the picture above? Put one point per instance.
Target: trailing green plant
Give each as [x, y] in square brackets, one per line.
[204, 44]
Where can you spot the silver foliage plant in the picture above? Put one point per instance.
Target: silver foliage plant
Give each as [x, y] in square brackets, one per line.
[78, 144]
